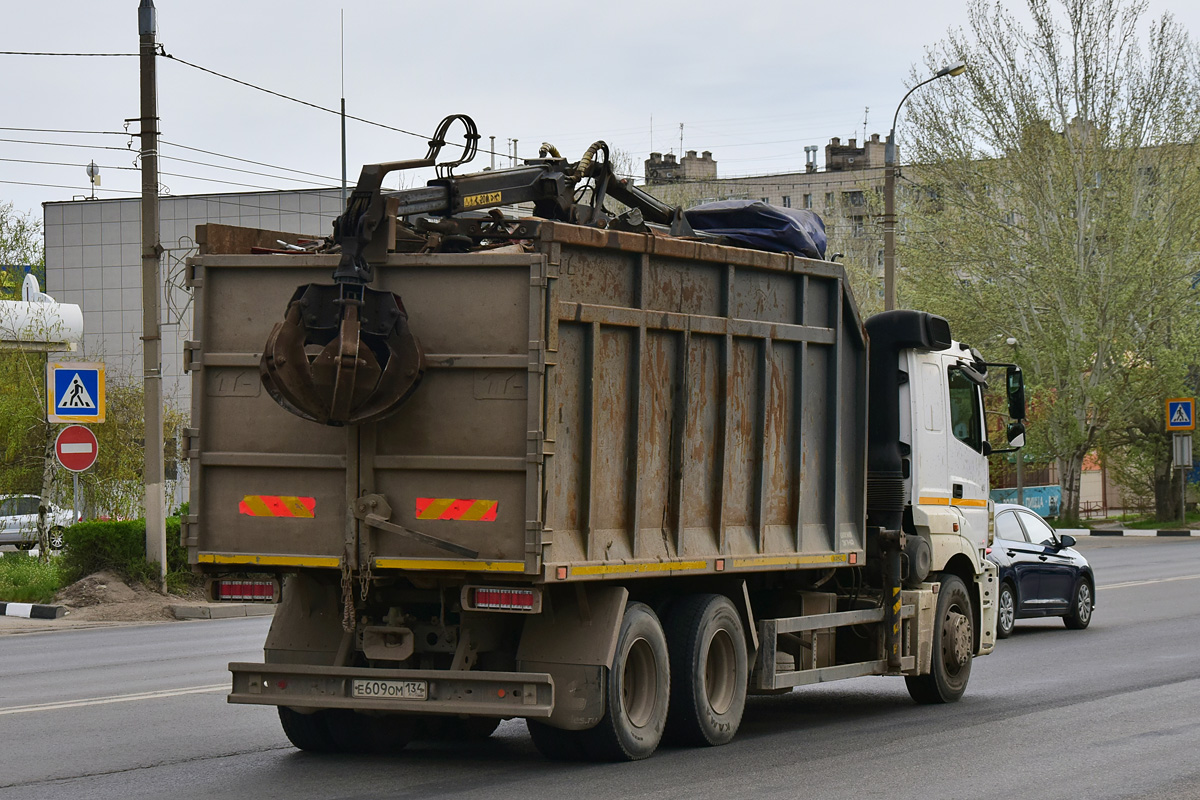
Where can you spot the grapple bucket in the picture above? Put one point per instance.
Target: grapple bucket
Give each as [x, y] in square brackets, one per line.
[343, 355]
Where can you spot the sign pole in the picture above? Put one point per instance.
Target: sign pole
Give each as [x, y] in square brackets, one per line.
[75, 500]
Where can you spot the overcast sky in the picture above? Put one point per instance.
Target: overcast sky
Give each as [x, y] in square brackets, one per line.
[754, 82]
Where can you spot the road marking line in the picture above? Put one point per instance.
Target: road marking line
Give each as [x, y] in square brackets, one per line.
[119, 698]
[1144, 583]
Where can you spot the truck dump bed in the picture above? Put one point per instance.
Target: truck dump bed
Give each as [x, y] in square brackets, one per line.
[602, 405]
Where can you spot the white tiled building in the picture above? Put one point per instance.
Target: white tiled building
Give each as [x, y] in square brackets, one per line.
[93, 259]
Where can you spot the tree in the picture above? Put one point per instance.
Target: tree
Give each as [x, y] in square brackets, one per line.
[1056, 202]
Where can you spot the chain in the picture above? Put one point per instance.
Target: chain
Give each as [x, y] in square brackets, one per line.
[364, 576]
[347, 597]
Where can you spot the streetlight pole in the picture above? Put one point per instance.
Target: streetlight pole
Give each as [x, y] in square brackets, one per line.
[889, 192]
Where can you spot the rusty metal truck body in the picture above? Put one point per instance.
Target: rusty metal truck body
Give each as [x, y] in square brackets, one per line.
[613, 430]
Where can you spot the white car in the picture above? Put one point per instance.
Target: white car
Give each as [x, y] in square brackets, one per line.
[19, 518]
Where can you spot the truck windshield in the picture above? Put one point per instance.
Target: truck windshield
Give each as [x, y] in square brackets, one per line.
[965, 415]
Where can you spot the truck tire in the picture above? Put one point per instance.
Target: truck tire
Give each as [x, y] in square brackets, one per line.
[1006, 611]
[356, 733]
[709, 670]
[1080, 615]
[953, 646]
[556, 744]
[308, 732]
[637, 691]
[446, 728]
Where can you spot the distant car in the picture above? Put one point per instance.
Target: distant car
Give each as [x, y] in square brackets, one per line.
[1040, 574]
[19, 518]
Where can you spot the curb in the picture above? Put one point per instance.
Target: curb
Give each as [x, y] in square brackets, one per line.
[223, 610]
[1077, 532]
[31, 610]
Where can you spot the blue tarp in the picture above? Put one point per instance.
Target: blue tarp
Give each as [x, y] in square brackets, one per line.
[755, 224]
[1045, 500]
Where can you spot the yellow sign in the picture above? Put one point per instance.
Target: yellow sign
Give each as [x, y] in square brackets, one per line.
[485, 199]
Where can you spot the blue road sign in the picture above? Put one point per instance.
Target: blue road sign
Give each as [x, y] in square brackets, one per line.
[1181, 414]
[75, 392]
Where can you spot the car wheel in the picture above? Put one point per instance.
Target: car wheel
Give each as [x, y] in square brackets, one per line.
[56, 539]
[1006, 611]
[953, 643]
[1081, 606]
[25, 545]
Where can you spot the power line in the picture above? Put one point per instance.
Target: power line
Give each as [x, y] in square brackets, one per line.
[68, 144]
[245, 160]
[60, 130]
[165, 54]
[77, 55]
[62, 186]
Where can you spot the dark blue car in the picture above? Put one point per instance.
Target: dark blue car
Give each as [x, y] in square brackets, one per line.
[1040, 574]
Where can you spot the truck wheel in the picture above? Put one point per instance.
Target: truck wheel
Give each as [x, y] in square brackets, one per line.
[556, 744]
[447, 728]
[1081, 606]
[307, 731]
[953, 645]
[709, 670]
[1006, 611]
[357, 733]
[637, 691]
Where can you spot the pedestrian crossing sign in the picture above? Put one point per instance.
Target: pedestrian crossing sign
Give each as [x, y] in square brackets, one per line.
[1181, 414]
[75, 392]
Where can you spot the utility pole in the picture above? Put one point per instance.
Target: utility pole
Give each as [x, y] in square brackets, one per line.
[152, 474]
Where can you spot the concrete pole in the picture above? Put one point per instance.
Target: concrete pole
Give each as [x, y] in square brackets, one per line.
[152, 475]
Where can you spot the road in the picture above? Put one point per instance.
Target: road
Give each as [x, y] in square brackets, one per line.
[1110, 712]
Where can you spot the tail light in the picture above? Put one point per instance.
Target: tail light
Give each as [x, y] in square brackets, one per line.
[502, 598]
[259, 591]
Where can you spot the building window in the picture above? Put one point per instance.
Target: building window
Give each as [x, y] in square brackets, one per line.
[808, 201]
[765, 199]
[829, 199]
[857, 226]
[787, 201]
[854, 199]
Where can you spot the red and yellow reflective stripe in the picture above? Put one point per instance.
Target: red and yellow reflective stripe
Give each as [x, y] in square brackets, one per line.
[274, 505]
[453, 508]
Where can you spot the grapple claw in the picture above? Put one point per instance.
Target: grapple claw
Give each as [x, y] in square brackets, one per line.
[343, 355]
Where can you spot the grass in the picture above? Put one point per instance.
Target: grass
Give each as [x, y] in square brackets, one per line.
[24, 579]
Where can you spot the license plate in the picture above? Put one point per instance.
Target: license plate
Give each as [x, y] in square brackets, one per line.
[390, 690]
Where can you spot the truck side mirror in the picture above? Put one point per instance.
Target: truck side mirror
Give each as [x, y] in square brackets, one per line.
[1015, 383]
[1016, 434]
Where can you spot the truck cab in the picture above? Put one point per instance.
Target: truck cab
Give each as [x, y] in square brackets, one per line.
[933, 453]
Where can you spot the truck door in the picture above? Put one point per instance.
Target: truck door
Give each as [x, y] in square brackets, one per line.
[967, 465]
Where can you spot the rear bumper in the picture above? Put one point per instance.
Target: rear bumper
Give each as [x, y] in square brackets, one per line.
[305, 686]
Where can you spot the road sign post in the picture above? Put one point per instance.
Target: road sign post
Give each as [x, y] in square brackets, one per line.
[76, 448]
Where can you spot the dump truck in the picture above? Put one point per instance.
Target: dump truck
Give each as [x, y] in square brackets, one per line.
[597, 470]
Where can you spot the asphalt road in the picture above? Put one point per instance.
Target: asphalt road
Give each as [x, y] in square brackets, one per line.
[1110, 712]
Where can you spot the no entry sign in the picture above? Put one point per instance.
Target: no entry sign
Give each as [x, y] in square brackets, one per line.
[76, 448]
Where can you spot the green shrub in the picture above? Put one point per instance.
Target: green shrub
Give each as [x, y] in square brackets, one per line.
[120, 547]
[24, 579]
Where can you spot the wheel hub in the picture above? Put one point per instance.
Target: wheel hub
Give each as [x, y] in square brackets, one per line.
[959, 628]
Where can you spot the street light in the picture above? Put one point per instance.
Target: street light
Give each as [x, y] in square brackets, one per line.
[889, 192]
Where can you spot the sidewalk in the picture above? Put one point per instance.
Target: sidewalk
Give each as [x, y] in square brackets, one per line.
[183, 612]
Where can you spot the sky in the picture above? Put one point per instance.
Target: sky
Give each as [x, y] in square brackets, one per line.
[754, 85]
